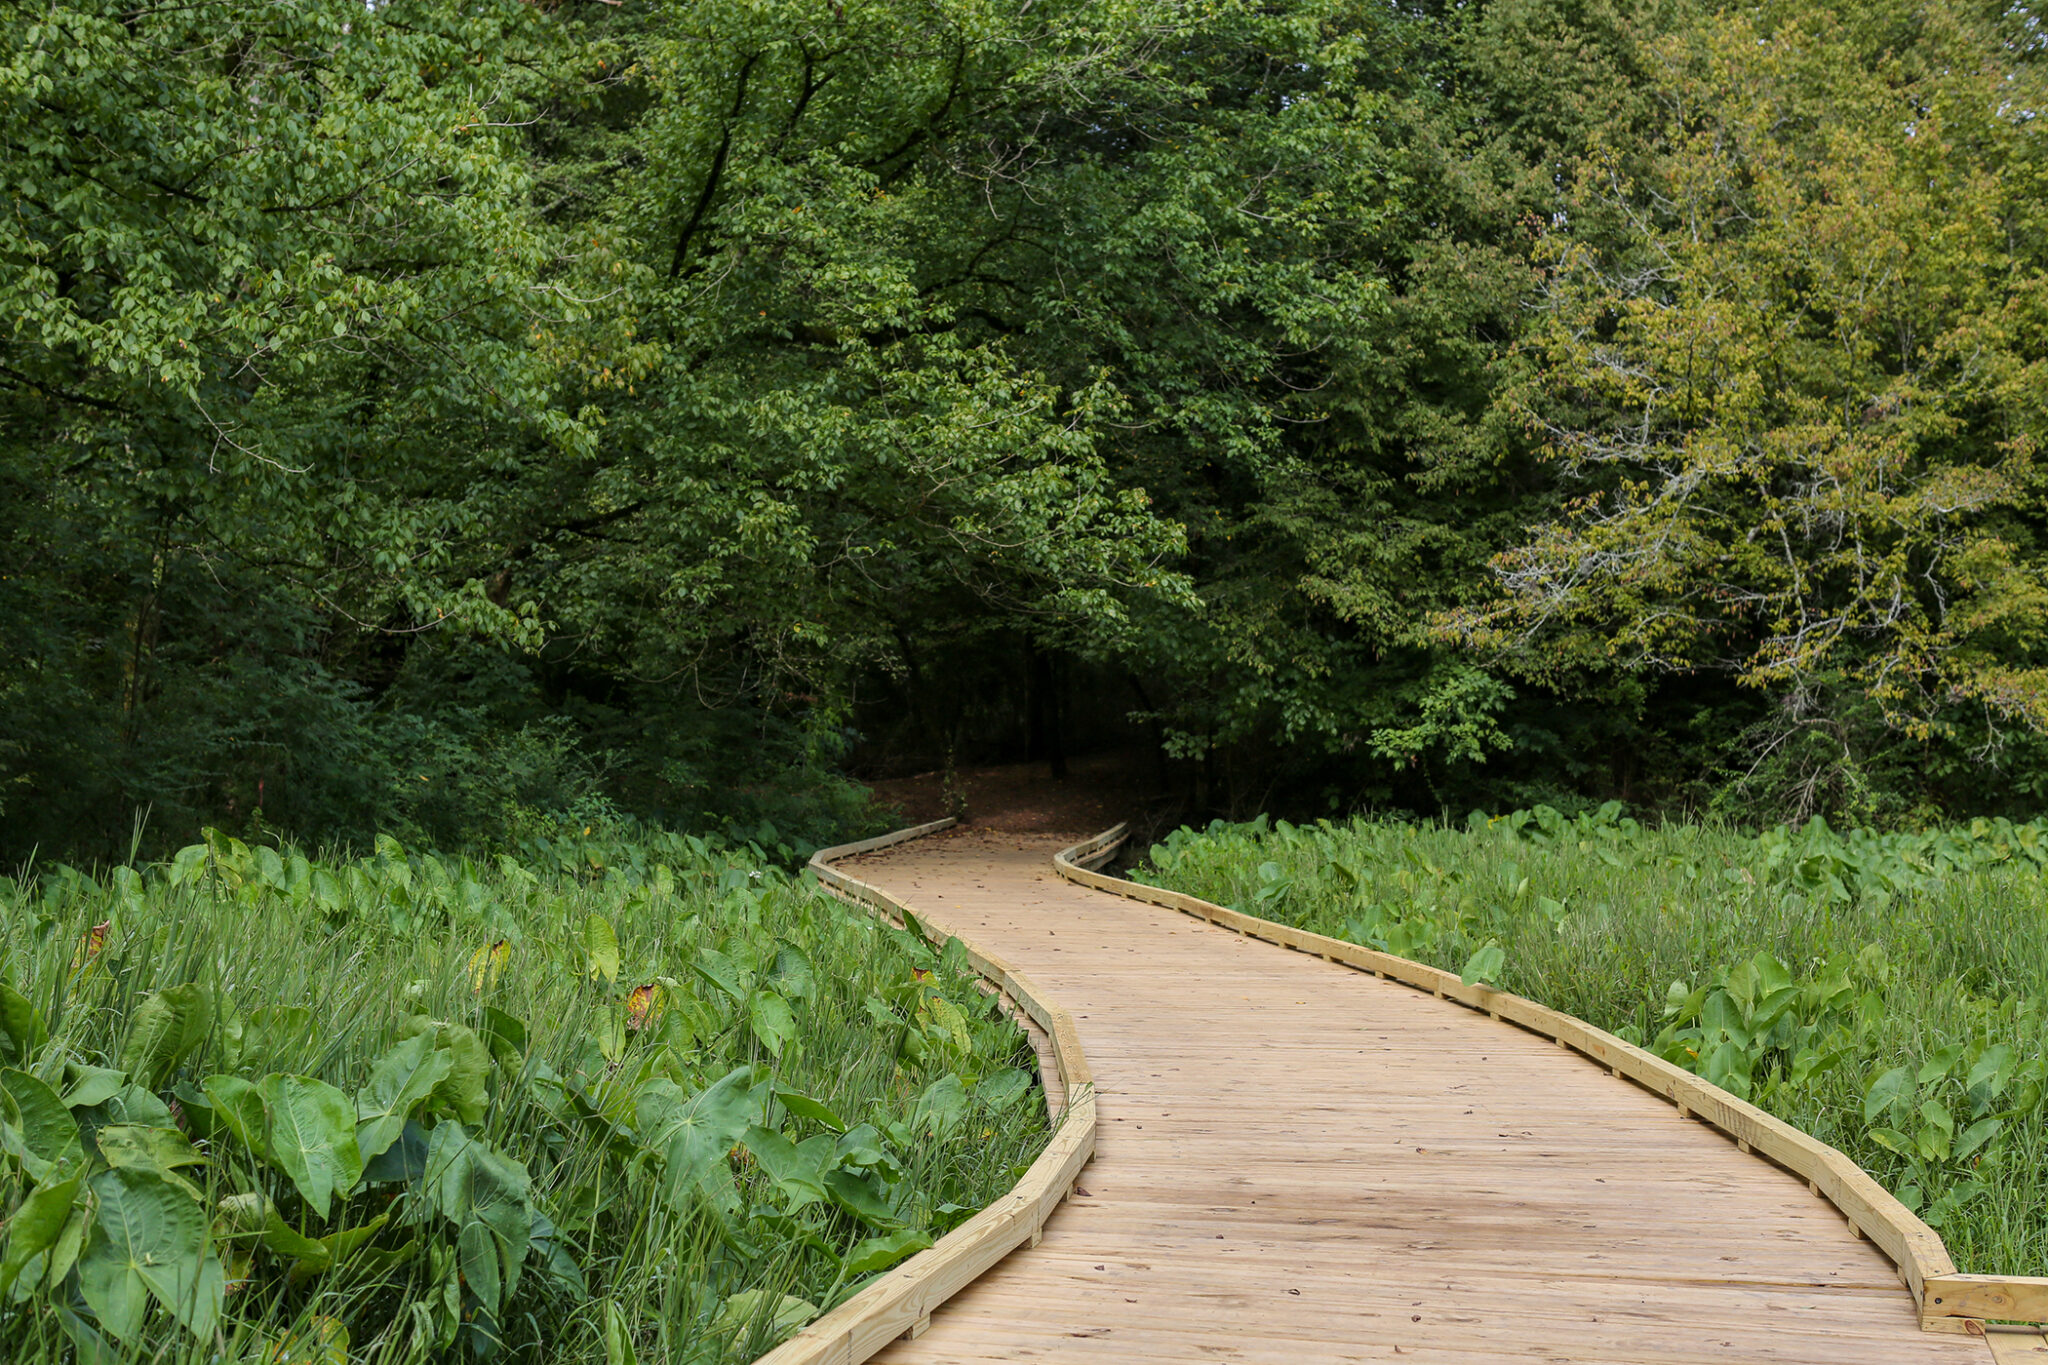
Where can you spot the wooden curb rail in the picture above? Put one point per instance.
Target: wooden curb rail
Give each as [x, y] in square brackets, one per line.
[1949, 1302]
[900, 1302]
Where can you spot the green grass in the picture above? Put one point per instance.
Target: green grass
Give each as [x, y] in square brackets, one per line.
[649, 1101]
[1885, 993]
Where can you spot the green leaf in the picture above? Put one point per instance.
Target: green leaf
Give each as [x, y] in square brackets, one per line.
[601, 947]
[148, 1240]
[774, 1023]
[1975, 1136]
[400, 1081]
[239, 1108]
[310, 1130]
[1484, 965]
[618, 1336]
[475, 1186]
[1992, 1069]
[22, 1034]
[863, 1197]
[35, 1227]
[792, 972]
[775, 1315]
[720, 970]
[693, 1135]
[482, 1271]
[797, 1171]
[804, 1107]
[127, 1146]
[879, 1253]
[1940, 1064]
[1936, 1114]
[343, 1244]
[165, 1029]
[91, 1085]
[1887, 1092]
[462, 1091]
[505, 1037]
[942, 1105]
[288, 1242]
[36, 1128]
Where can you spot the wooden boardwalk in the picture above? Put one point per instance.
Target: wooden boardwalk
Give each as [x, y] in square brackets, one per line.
[1299, 1163]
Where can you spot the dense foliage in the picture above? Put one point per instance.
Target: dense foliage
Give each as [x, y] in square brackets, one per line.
[1883, 992]
[646, 1100]
[435, 417]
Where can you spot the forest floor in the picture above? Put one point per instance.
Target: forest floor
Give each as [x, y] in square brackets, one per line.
[1024, 798]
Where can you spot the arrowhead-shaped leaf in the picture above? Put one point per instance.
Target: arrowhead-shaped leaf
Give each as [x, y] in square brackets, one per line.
[35, 1226]
[164, 1030]
[36, 1127]
[310, 1129]
[149, 1239]
[399, 1081]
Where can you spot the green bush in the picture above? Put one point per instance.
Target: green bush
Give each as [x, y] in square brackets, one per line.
[616, 1102]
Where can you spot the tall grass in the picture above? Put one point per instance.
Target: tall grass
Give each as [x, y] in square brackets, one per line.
[681, 1103]
[1885, 993]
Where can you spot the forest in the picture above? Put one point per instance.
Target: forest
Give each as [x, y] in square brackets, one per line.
[457, 421]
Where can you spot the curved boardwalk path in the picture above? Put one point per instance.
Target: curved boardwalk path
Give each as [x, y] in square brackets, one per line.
[1298, 1163]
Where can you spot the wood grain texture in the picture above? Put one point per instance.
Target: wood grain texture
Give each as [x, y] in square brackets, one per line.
[1298, 1162]
[1916, 1249]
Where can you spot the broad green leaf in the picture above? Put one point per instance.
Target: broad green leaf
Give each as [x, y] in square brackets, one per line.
[472, 1184]
[127, 1146]
[720, 970]
[35, 1227]
[792, 972]
[1887, 1092]
[87, 1086]
[879, 1253]
[239, 1107]
[942, 1105]
[462, 1092]
[774, 1315]
[1940, 1064]
[863, 1197]
[601, 947]
[399, 1081]
[1936, 1114]
[132, 1104]
[22, 1034]
[797, 1171]
[504, 1037]
[1975, 1136]
[804, 1107]
[774, 1024]
[482, 1271]
[694, 1134]
[999, 1088]
[343, 1244]
[1991, 1070]
[288, 1242]
[148, 1240]
[164, 1029]
[36, 1128]
[1484, 965]
[310, 1131]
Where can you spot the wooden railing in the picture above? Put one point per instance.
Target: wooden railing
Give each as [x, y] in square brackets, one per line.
[1949, 1302]
[900, 1302]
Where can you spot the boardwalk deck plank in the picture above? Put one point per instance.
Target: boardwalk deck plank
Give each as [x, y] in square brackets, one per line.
[1297, 1162]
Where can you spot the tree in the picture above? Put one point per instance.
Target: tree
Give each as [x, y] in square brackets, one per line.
[1791, 361]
